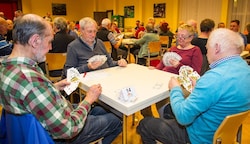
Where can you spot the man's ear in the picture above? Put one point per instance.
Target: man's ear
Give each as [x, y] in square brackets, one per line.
[217, 48]
[35, 40]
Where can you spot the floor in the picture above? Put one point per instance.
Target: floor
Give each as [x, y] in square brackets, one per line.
[132, 136]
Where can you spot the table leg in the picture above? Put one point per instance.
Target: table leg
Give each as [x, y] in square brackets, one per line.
[124, 129]
[129, 59]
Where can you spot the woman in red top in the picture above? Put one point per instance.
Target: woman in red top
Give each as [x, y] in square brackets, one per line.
[190, 54]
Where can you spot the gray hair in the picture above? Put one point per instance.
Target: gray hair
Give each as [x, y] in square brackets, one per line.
[60, 23]
[228, 40]
[106, 22]
[86, 22]
[26, 26]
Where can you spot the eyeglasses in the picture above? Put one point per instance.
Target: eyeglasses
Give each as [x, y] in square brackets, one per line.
[182, 37]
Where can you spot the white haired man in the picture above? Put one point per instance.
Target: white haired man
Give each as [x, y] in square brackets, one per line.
[199, 115]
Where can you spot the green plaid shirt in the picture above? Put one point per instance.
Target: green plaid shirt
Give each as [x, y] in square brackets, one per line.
[25, 89]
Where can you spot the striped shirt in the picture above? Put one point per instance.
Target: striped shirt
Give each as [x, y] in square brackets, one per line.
[25, 89]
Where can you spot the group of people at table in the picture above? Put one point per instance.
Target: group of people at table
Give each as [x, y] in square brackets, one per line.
[214, 54]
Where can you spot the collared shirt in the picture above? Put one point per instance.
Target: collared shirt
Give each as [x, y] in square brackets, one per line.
[214, 64]
[90, 46]
[25, 89]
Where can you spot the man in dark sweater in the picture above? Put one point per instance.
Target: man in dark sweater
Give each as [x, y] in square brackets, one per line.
[87, 46]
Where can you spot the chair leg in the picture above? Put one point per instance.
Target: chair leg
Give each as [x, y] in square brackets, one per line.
[134, 119]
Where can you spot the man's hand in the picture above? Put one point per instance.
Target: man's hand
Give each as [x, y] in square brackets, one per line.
[122, 63]
[61, 84]
[94, 65]
[93, 93]
[173, 82]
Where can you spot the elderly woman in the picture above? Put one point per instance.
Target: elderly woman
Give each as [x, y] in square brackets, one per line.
[190, 54]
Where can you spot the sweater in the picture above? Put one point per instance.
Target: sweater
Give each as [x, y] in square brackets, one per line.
[221, 91]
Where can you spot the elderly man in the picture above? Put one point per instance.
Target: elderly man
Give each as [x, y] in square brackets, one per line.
[5, 46]
[24, 89]
[87, 46]
[105, 34]
[214, 96]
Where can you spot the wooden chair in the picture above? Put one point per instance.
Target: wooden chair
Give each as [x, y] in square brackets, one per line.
[54, 61]
[108, 46]
[228, 129]
[164, 43]
[248, 47]
[154, 51]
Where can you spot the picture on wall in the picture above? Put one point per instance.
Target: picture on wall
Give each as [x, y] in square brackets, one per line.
[59, 9]
[160, 10]
[129, 11]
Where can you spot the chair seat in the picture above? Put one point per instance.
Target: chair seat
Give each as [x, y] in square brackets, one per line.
[23, 129]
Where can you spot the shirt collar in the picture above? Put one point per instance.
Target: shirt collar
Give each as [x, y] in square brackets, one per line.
[92, 46]
[216, 63]
[19, 60]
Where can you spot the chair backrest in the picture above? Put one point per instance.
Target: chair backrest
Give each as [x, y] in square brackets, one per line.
[22, 129]
[108, 46]
[154, 47]
[164, 40]
[54, 61]
[154, 51]
[228, 129]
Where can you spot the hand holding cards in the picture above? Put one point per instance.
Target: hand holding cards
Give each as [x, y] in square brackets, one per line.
[186, 73]
[98, 58]
[73, 76]
[168, 56]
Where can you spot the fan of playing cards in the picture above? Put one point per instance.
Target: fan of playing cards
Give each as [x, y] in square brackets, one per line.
[186, 73]
[73, 76]
[95, 58]
[170, 55]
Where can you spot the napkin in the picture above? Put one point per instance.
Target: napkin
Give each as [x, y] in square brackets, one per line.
[73, 76]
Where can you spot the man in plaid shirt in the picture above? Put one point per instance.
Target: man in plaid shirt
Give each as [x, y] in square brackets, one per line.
[24, 89]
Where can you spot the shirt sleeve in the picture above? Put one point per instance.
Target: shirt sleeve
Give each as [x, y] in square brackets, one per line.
[111, 38]
[53, 111]
[200, 100]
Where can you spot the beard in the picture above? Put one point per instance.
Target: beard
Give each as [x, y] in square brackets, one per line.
[39, 56]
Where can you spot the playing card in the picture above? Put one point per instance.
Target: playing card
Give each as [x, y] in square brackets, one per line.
[73, 76]
[186, 73]
[101, 58]
[170, 55]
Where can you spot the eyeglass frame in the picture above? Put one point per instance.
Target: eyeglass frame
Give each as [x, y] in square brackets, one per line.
[182, 37]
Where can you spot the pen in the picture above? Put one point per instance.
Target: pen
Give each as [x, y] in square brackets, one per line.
[85, 73]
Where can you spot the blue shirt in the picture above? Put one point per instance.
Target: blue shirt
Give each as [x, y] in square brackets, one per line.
[221, 91]
[5, 47]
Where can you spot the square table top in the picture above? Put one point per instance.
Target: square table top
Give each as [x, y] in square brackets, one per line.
[150, 85]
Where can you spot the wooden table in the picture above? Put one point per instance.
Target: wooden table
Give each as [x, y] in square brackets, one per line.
[150, 86]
